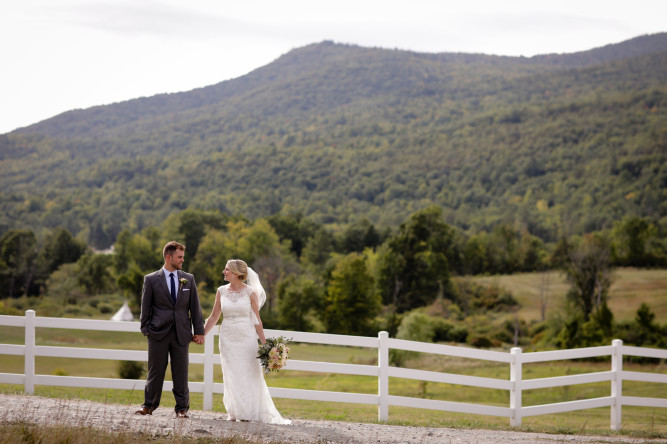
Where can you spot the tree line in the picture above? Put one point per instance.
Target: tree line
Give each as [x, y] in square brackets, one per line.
[359, 279]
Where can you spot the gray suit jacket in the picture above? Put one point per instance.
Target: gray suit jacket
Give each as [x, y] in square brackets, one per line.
[159, 314]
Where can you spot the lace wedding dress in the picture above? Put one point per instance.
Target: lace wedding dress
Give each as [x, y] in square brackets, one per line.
[245, 395]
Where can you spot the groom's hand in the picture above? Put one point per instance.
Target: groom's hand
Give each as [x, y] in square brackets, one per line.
[198, 339]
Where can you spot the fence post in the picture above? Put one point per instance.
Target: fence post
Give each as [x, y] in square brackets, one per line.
[616, 383]
[515, 390]
[208, 370]
[383, 376]
[29, 357]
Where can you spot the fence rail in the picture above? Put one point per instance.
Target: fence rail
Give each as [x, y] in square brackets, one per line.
[383, 371]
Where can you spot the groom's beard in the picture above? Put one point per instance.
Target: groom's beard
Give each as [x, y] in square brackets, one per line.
[176, 265]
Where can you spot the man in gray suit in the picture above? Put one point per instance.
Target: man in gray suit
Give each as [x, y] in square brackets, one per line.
[169, 311]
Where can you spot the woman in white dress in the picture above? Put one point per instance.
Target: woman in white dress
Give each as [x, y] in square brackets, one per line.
[246, 396]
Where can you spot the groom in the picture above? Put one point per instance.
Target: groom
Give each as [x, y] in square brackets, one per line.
[169, 311]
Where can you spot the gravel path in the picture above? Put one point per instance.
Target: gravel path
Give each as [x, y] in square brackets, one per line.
[163, 423]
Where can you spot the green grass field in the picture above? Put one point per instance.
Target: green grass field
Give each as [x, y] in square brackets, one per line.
[637, 421]
[631, 288]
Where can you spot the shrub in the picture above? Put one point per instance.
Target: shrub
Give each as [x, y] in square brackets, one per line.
[447, 332]
[481, 299]
[481, 342]
[7, 309]
[417, 326]
[104, 308]
[73, 310]
[130, 369]
[458, 334]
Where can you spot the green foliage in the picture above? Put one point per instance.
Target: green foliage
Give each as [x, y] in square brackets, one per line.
[579, 332]
[254, 242]
[193, 226]
[588, 269]
[351, 300]
[505, 250]
[475, 298]
[420, 326]
[141, 250]
[94, 273]
[644, 331]
[136, 255]
[131, 282]
[333, 292]
[61, 248]
[294, 227]
[415, 326]
[298, 299]
[130, 369]
[336, 133]
[211, 258]
[319, 248]
[637, 243]
[358, 236]
[18, 254]
[105, 308]
[414, 269]
[63, 284]
[26, 261]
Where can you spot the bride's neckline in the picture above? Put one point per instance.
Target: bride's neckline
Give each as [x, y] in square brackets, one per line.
[236, 290]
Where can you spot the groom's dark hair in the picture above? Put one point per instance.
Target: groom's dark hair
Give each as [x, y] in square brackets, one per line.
[171, 247]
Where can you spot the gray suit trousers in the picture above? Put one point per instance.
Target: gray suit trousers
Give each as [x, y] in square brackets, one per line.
[159, 351]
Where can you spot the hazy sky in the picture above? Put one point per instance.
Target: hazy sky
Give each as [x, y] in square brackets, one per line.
[59, 55]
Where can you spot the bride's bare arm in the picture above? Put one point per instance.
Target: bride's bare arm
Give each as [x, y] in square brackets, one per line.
[215, 314]
[258, 326]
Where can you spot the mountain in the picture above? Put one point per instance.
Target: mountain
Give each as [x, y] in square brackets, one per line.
[558, 143]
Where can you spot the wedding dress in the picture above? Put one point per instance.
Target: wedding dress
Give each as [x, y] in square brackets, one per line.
[245, 395]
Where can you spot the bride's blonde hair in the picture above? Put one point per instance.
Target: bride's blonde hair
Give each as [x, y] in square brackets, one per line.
[239, 268]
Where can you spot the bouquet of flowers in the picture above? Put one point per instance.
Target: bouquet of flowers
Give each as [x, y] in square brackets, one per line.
[273, 354]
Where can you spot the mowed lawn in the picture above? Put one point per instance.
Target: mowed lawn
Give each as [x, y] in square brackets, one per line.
[637, 421]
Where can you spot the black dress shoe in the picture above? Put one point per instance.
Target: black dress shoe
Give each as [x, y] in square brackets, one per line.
[143, 411]
[182, 414]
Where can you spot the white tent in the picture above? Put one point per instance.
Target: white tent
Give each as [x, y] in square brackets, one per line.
[124, 314]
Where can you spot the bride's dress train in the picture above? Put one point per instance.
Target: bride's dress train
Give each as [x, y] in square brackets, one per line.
[246, 396]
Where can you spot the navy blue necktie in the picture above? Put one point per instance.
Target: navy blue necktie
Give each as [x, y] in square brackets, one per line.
[173, 288]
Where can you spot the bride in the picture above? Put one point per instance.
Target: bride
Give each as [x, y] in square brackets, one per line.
[246, 396]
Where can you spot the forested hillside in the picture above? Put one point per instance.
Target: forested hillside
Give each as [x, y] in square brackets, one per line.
[556, 144]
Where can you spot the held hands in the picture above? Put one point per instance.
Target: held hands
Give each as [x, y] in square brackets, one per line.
[198, 339]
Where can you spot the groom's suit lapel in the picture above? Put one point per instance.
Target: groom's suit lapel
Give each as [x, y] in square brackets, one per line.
[179, 287]
[163, 284]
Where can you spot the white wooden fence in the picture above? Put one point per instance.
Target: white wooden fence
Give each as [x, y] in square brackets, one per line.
[383, 371]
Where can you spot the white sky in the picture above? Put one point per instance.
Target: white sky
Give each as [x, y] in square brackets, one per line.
[58, 55]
